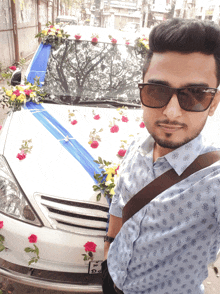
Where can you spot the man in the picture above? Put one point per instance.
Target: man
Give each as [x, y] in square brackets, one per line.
[166, 246]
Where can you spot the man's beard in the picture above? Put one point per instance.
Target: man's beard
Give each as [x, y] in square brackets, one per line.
[174, 145]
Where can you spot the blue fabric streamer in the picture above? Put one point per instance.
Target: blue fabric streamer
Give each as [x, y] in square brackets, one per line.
[39, 64]
[59, 132]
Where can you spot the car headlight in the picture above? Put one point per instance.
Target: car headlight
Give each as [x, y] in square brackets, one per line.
[13, 202]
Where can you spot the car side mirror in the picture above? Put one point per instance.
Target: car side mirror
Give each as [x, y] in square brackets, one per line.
[16, 77]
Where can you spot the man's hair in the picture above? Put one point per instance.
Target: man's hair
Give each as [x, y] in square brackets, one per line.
[185, 36]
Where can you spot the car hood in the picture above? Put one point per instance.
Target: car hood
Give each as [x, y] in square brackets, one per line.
[49, 168]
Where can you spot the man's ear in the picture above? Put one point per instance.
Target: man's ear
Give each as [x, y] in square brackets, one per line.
[214, 104]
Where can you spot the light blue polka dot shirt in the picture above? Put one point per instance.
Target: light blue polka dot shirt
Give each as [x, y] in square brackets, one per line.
[166, 247]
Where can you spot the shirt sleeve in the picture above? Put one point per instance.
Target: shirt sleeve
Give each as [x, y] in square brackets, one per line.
[118, 202]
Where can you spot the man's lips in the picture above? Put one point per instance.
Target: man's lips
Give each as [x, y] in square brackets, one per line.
[170, 128]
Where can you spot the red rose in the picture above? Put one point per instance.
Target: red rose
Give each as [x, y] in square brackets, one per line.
[58, 29]
[0, 127]
[114, 129]
[1, 224]
[94, 40]
[114, 41]
[13, 67]
[17, 93]
[121, 152]
[21, 155]
[77, 37]
[124, 119]
[51, 27]
[32, 238]
[49, 31]
[142, 125]
[27, 92]
[127, 43]
[97, 117]
[90, 246]
[74, 122]
[94, 144]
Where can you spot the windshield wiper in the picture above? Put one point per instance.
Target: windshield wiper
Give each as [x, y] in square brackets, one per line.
[111, 102]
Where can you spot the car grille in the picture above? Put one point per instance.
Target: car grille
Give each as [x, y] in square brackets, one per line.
[76, 217]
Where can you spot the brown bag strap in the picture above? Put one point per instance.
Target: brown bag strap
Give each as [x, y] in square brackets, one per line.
[164, 182]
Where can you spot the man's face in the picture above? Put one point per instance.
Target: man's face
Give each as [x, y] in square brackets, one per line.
[171, 126]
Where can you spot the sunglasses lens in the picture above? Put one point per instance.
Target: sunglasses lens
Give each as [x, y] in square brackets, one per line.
[195, 99]
[155, 96]
[190, 99]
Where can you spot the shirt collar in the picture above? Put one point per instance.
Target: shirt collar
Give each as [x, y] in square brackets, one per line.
[180, 158]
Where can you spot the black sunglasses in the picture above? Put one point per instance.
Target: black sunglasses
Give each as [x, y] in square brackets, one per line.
[194, 98]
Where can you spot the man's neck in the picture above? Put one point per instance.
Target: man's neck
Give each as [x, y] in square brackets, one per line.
[160, 151]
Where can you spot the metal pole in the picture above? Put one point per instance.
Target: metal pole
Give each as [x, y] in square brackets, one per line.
[38, 19]
[53, 12]
[15, 31]
[58, 7]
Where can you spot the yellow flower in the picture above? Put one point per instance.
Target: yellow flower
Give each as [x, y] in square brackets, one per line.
[20, 88]
[32, 94]
[51, 33]
[44, 32]
[21, 97]
[13, 97]
[59, 35]
[112, 192]
[9, 93]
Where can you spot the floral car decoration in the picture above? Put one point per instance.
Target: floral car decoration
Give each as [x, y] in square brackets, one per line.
[2, 238]
[17, 96]
[107, 178]
[33, 239]
[90, 248]
[52, 34]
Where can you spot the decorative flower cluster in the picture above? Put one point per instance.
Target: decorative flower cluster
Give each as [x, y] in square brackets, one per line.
[33, 239]
[16, 96]
[25, 148]
[8, 74]
[106, 180]
[52, 34]
[143, 43]
[90, 248]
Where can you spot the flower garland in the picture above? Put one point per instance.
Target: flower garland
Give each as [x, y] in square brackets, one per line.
[52, 34]
[16, 96]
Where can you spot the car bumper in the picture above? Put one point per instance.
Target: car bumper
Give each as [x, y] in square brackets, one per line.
[59, 281]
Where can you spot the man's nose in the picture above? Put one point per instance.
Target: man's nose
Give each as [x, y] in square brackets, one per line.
[173, 109]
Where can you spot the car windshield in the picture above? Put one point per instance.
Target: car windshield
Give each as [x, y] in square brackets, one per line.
[80, 71]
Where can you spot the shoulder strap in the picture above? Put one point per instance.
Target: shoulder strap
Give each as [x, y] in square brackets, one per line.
[165, 181]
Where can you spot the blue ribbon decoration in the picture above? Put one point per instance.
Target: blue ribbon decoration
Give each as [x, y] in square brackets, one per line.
[59, 132]
[39, 64]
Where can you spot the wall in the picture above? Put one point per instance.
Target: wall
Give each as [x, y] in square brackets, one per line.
[27, 27]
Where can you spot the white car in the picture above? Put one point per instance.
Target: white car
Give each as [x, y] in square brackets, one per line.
[92, 96]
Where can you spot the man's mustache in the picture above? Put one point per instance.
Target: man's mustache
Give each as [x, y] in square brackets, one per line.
[171, 123]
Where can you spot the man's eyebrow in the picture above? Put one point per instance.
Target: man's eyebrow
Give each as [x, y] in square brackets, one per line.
[165, 83]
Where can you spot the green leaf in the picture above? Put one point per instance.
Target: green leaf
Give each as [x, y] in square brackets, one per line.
[28, 249]
[98, 197]
[36, 260]
[2, 238]
[2, 247]
[100, 160]
[36, 249]
[31, 261]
